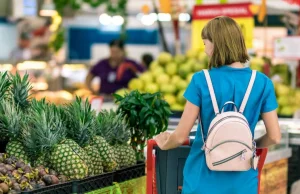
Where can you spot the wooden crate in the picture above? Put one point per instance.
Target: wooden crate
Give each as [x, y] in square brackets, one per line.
[274, 178]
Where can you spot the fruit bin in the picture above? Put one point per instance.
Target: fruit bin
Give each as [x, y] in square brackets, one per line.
[165, 168]
[93, 183]
[129, 173]
[63, 188]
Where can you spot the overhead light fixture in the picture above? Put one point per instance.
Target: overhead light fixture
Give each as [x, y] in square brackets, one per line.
[184, 17]
[147, 20]
[48, 8]
[106, 20]
[117, 20]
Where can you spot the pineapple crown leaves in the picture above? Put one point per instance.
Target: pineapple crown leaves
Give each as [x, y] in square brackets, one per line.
[5, 84]
[113, 127]
[146, 113]
[20, 90]
[11, 119]
[80, 122]
[44, 128]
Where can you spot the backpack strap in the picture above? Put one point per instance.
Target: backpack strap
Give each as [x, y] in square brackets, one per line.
[248, 91]
[211, 92]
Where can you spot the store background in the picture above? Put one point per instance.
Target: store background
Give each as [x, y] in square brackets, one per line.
[87, 34]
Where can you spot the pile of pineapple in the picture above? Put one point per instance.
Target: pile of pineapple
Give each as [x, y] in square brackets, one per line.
[71, 139]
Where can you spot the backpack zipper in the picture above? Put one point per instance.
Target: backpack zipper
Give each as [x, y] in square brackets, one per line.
[228, 141]
[223, 120]
[241, 153]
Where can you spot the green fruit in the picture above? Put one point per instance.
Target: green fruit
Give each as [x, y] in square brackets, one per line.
[202, 57]
[16, 149]
[116, 131]
[180, 97]
[257, 63]
[168, 89]
[154, 65]
[122, 91]
[157, 72]
[189, 77]
[170, 99]
[179, 59]
[95, 160]
[198, 67]
[146, 77]
[184, 70]
[164, 58]
[151, 88]
[162, 79]
[192, 53]
[135, 84]
[287, 111]
[171, 69]
[106, 152]
[177, 107]
[182, 85]
[175, 79]
[283, 100]
[282, 90]
[67, 162]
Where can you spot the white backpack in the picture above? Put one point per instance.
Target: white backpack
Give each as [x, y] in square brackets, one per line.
[229, 145]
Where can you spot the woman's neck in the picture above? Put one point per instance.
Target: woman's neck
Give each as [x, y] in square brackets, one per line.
[236, 65]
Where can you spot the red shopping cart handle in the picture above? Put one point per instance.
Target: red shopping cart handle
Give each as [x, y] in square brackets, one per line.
[150, 145]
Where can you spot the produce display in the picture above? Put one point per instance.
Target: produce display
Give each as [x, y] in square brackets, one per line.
[170, 75]
[287, 99]
[72, 139]
[16, 176]
[114, 128]
[57, 97]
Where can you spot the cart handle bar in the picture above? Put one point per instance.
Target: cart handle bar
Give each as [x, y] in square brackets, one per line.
[150, 145]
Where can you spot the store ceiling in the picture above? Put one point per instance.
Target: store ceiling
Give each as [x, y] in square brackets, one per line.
[273, 5]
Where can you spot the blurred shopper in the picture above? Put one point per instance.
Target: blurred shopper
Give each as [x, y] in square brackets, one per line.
[147, 59]
[225, 45]
[114, 72]
[22, 52]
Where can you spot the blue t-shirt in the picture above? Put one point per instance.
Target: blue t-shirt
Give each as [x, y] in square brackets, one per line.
[229, 84]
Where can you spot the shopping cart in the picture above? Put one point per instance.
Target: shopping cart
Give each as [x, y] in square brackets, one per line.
[169, 165]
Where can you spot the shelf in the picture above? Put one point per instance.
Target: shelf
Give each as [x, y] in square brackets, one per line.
[276, 155]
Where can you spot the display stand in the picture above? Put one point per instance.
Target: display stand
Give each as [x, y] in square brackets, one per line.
[288, 48]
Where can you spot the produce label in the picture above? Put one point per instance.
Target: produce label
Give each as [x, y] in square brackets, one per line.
[241, 13]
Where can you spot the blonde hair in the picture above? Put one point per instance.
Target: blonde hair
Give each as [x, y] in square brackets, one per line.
[228, 41]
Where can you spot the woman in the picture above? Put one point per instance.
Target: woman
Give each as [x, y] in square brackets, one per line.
[115, 72]
[224, 44]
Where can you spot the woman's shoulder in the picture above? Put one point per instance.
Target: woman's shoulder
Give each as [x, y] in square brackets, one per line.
[263, 78]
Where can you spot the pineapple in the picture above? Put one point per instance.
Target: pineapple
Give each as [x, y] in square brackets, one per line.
[106, 152]
[20, 90]
[10, 124]
[81, 124]
[12, 114]
[67, 162]
[45, 133]
[96, 161]
[4, 88]
[113, 127]
[5, 84]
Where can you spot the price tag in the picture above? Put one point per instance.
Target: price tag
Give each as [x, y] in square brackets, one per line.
[96, 103]
[287, 47]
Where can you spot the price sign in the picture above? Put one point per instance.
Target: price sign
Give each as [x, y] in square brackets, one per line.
[240, 12]
[287, 47]
[96, 103]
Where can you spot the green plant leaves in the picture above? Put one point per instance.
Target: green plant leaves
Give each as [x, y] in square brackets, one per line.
[144, 111]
